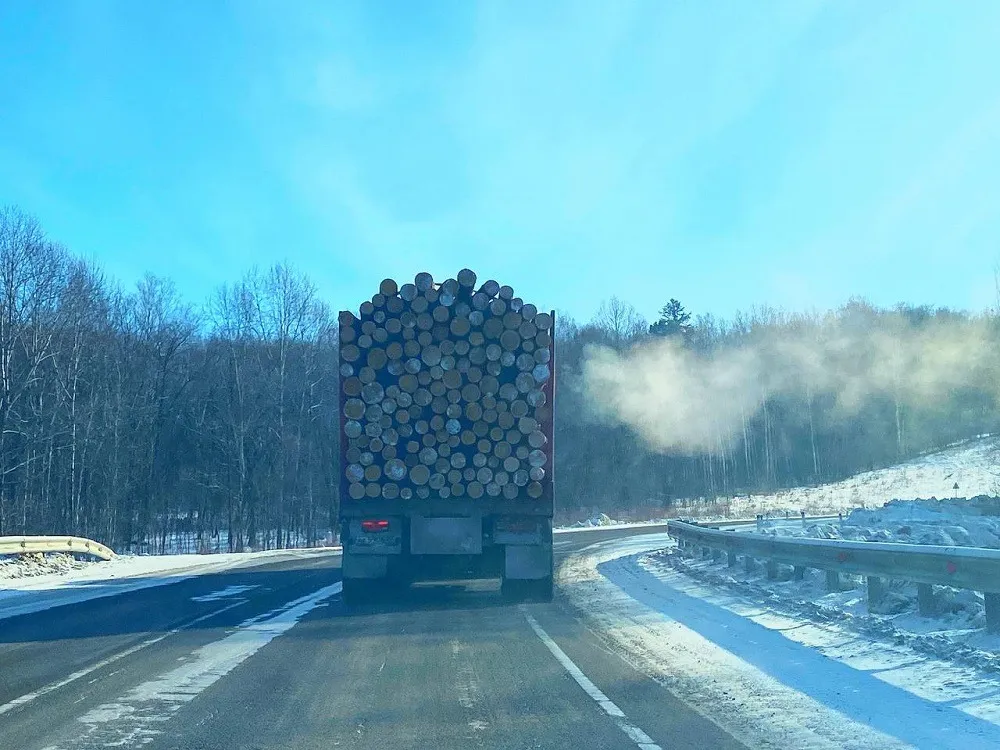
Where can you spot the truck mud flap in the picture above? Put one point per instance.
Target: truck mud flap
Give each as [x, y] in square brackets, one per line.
[365, 566]
[527, 561]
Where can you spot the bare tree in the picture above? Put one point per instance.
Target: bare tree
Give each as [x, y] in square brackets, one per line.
[620, 320]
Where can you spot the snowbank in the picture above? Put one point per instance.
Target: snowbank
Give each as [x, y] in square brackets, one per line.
[35, 565]
[952, 523]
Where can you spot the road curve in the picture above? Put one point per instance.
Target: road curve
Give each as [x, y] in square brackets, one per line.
[269, 657]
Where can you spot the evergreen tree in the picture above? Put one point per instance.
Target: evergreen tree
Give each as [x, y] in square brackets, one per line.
[674, 320]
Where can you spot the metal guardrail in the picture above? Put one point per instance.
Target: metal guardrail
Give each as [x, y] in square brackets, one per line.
[972, 568]
[759, 520]
[19, 545]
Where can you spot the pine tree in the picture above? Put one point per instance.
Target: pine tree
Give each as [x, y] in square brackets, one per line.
[674, 320]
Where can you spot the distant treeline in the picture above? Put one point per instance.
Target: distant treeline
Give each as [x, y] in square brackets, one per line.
[133, 416]
[765, 401]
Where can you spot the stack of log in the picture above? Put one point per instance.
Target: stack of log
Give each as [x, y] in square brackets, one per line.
[445, 392]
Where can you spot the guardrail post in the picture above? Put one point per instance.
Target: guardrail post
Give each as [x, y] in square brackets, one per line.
[925, 599]
[832, 580]
[876, 591]
[731, 559]
[992, 611]
[799, 572]
[772, 570]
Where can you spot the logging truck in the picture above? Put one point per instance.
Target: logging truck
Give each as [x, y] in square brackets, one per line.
[446, 438]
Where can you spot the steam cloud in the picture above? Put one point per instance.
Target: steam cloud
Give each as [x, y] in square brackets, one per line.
[681, 401]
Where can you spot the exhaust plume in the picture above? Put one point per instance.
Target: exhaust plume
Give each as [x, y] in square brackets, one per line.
[686, 401]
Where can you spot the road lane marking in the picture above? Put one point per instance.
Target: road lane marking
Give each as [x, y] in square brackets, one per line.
[139, 716]
[28, 697]
[640, 738]
[467, 686]
[227, 593]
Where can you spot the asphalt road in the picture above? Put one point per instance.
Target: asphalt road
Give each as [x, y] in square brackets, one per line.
[270, 657]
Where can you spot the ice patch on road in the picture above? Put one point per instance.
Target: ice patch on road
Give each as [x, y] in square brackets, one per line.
[754, 679]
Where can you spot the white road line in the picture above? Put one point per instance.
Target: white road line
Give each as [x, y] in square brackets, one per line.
[640, 738]
[138, 716]
[227, 593]
[28, 697]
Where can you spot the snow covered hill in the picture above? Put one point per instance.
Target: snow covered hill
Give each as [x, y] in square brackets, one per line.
[973, 465]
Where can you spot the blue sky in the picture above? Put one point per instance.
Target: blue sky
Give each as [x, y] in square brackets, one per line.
[725, 153]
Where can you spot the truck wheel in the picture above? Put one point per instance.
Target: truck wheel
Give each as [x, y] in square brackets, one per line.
[356, 590]
[542, 589]
[532, 590]
[511, 590]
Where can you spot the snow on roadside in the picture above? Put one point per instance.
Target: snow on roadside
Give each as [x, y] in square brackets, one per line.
[947, 523]
[126, 566]
[769, 678]
[34, 565]
[973, 465]
[608, 527]
[955, 632]
[756, 708]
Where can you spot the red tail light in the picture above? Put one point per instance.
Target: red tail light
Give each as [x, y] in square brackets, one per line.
[374, 524]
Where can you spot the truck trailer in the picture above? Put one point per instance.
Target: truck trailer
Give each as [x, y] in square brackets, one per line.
[446, 438]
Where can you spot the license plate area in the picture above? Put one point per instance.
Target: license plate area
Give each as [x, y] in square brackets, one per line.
[442, 535]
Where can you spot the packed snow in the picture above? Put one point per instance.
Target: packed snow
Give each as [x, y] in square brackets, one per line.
[35, 565]
[949, 523]
[771, 676]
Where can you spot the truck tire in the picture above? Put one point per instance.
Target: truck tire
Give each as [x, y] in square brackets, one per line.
[526, 590]
[356, 590]
[542, 589]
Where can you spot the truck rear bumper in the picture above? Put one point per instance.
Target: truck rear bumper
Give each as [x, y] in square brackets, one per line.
[424, 547]
[410, 568]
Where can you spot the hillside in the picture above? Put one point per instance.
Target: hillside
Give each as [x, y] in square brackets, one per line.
[973, 465]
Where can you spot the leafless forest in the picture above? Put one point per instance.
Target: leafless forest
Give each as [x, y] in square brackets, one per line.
[134, 416]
